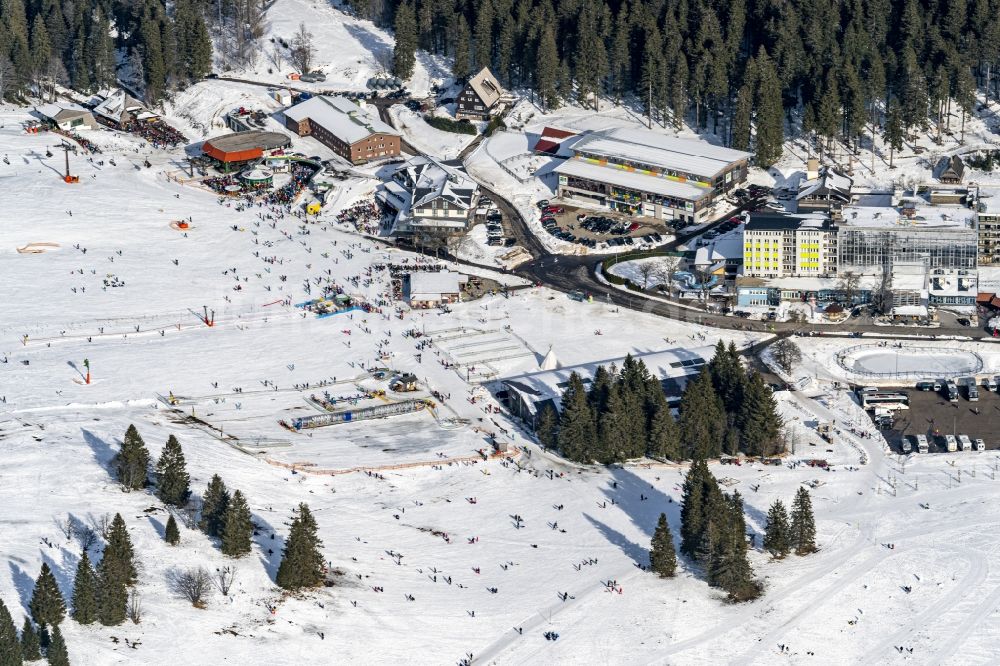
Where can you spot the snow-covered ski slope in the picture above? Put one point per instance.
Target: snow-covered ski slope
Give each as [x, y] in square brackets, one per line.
[845, 604]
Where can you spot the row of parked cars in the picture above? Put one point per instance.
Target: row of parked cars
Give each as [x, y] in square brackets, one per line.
[494, 225]
[598, 224]
[750, 193]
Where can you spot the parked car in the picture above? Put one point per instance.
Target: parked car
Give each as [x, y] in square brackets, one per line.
[554, 209]
[925, 386]
[543, 203]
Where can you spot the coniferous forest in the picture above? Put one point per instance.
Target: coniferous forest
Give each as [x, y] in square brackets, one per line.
[749, 71]
[622, 414]
[87, 44]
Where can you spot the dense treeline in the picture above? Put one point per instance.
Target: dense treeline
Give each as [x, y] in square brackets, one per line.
[624, 414]
[83, 44]
[725, 65]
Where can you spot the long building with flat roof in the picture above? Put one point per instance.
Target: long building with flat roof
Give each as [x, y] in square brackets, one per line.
[641, 172]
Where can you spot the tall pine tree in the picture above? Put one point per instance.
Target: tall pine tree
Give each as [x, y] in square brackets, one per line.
[85, 592]
[213, 507]
[172, 534]
[302, 562]
[31, 646]
[47, 603]
[121, 550]
[404, 52]
[777, 536]
[577, 430]
[803, 524]
[132, 461]
[56, 654]
[662, 558]
[171, 474]
[237, 527]
[10, 647]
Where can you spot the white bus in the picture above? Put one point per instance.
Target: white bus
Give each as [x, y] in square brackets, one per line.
[922, 445]
[951, 443]
[885, 400]
[964, 443]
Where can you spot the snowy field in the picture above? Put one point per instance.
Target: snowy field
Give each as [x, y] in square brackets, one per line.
[349, 50]
[119, 286]
[430, 140]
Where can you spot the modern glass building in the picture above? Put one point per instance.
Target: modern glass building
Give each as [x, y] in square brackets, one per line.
[874, 238]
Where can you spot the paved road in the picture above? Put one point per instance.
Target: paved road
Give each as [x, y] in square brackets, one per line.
[577, 273]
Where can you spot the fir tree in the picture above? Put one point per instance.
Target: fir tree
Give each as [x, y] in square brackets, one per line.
[171, 473]
[41, 46]
[120, 549]
[547, 69]
[702, 418]
[893, 132]
[777, 539]
[112, 591]
[482, 35]
[662, 558]
[693, 508]
[237, 527]
[199, 55]
[577, 431]
[172, 535]
[44, 638]
[741, 119]
[302, 562]
[758, 419]
[729, 567]
[31, 647]
[548, 427]
[664, 436]
[404, 52]
[153, 65]
[803, 531]
[213, 507]
[462, 46]
[613, 439]
[85, 592]
[770, 114]
[47, 604]
[10, 647]
[56, 654]
[132, 461]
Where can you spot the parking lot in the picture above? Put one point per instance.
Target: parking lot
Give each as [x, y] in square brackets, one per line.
[932, 415]
[589, 227]
[498, 229]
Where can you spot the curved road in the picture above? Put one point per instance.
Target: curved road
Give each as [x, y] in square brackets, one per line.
[569, 273]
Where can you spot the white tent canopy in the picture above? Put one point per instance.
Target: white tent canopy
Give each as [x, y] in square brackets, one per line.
[550, 362]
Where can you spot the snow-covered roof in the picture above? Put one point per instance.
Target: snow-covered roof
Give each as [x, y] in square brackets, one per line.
[486, 87]
[632, 179]
[910, 311]
[117, 104]
[428, 179]
[768, 221]
[661, 152]
[430, 286]
[62, 111]
[989, 200]
[925, 217]
[670, 364]
[341, 117]
[830, 184]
